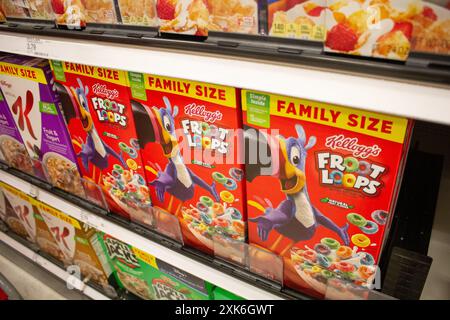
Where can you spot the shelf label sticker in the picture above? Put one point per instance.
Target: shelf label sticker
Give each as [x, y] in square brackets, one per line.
[35, 47]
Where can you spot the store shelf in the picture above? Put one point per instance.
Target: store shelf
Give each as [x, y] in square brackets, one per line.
[174, 257]
[374, 89]
[52, 268]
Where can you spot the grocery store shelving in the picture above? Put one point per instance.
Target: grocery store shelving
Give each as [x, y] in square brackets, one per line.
[51, 267]
[411, 97]
[182, 261]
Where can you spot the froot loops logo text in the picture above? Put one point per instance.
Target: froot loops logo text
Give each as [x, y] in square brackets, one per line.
[109, 111]
[349, 173]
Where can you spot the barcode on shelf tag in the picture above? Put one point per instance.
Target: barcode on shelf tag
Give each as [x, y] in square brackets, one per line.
[36, 47]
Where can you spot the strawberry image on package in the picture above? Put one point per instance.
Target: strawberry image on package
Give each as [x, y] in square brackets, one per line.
[99, 117]
[334, 174]
[186, 132]
[28, 89]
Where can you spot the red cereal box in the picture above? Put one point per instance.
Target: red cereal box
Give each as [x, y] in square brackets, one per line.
[186, 131]
[99, 117]
[334, 174]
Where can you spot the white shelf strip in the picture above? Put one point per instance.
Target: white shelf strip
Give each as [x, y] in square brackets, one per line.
[417, 101]
[179, 260]
[51, 267]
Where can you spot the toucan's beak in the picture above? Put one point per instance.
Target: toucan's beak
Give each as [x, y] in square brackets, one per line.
[291, 178]
[164, 137]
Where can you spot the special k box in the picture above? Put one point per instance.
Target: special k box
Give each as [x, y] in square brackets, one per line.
[297, 19]
[25, 209]
[78, 243]
[187, 133]
[27, 86]
[332, 173]
[12, 149]
[97, 107]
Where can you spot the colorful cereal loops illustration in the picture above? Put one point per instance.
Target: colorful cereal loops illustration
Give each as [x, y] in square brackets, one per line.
[207, 201]
[330, 243]
[230, 184]
[368, 259]
[351, 164]
[219, 177]
[356, 219]
[336, 176]
[236, 173]
[227, 196]
[380, 216]
[369, 228]
[132, 164]
[364, 168]
[344, 252]
[135, 143]
[206, 143]
[349, 180]
[360, 240]
[322, 249]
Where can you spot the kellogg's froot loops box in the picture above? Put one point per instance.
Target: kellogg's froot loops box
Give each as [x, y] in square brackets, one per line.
[100, 121]
[333, 173]
[28, 88]
[187, 135]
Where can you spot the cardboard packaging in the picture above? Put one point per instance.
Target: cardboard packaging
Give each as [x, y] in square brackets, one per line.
[138, 12]
[190, 146]
[337, 172]
[28, 89]
[97, 107]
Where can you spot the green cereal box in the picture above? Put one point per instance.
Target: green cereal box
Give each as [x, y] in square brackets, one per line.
[146, 277]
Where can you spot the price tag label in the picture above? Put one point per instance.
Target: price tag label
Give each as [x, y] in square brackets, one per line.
[36, 47]
[34, 191]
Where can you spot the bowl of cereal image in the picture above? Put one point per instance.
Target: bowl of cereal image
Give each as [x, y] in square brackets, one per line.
[15, 154]
[62, 173]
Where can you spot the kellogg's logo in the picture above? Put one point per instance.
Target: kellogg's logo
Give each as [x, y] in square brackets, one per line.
[352, 145]
[194, 110]
[102, 90]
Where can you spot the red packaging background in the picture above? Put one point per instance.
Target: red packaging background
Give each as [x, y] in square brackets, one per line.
[389, 158]
[153, 154]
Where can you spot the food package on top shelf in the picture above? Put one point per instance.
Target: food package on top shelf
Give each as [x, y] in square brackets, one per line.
[28, 88]
[333, 173]
[41, 9]
[138, 12]
[100, 11]
[431, 28]
[25, 208]
[297, 19]
[79, 244]
[196, 17]
[188, 135]
[2, 13]
[371, 28]
[16, 9]
[70, 14]
[97, 107]
[12, 148]
[149, 278]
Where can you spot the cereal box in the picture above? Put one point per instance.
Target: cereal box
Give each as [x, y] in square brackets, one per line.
[101, 124]
[26, 209]
[149, 278]
[41, 9]
[27, 86]
[12, 149]
[187, 132]
[16, 9]
[100, 11]
[138, 12]
[17, 213]
[70, 14]
[78, 243]
[297, 19]
[333, 173]
[431, 27]
[196, 17]
[370, 28]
